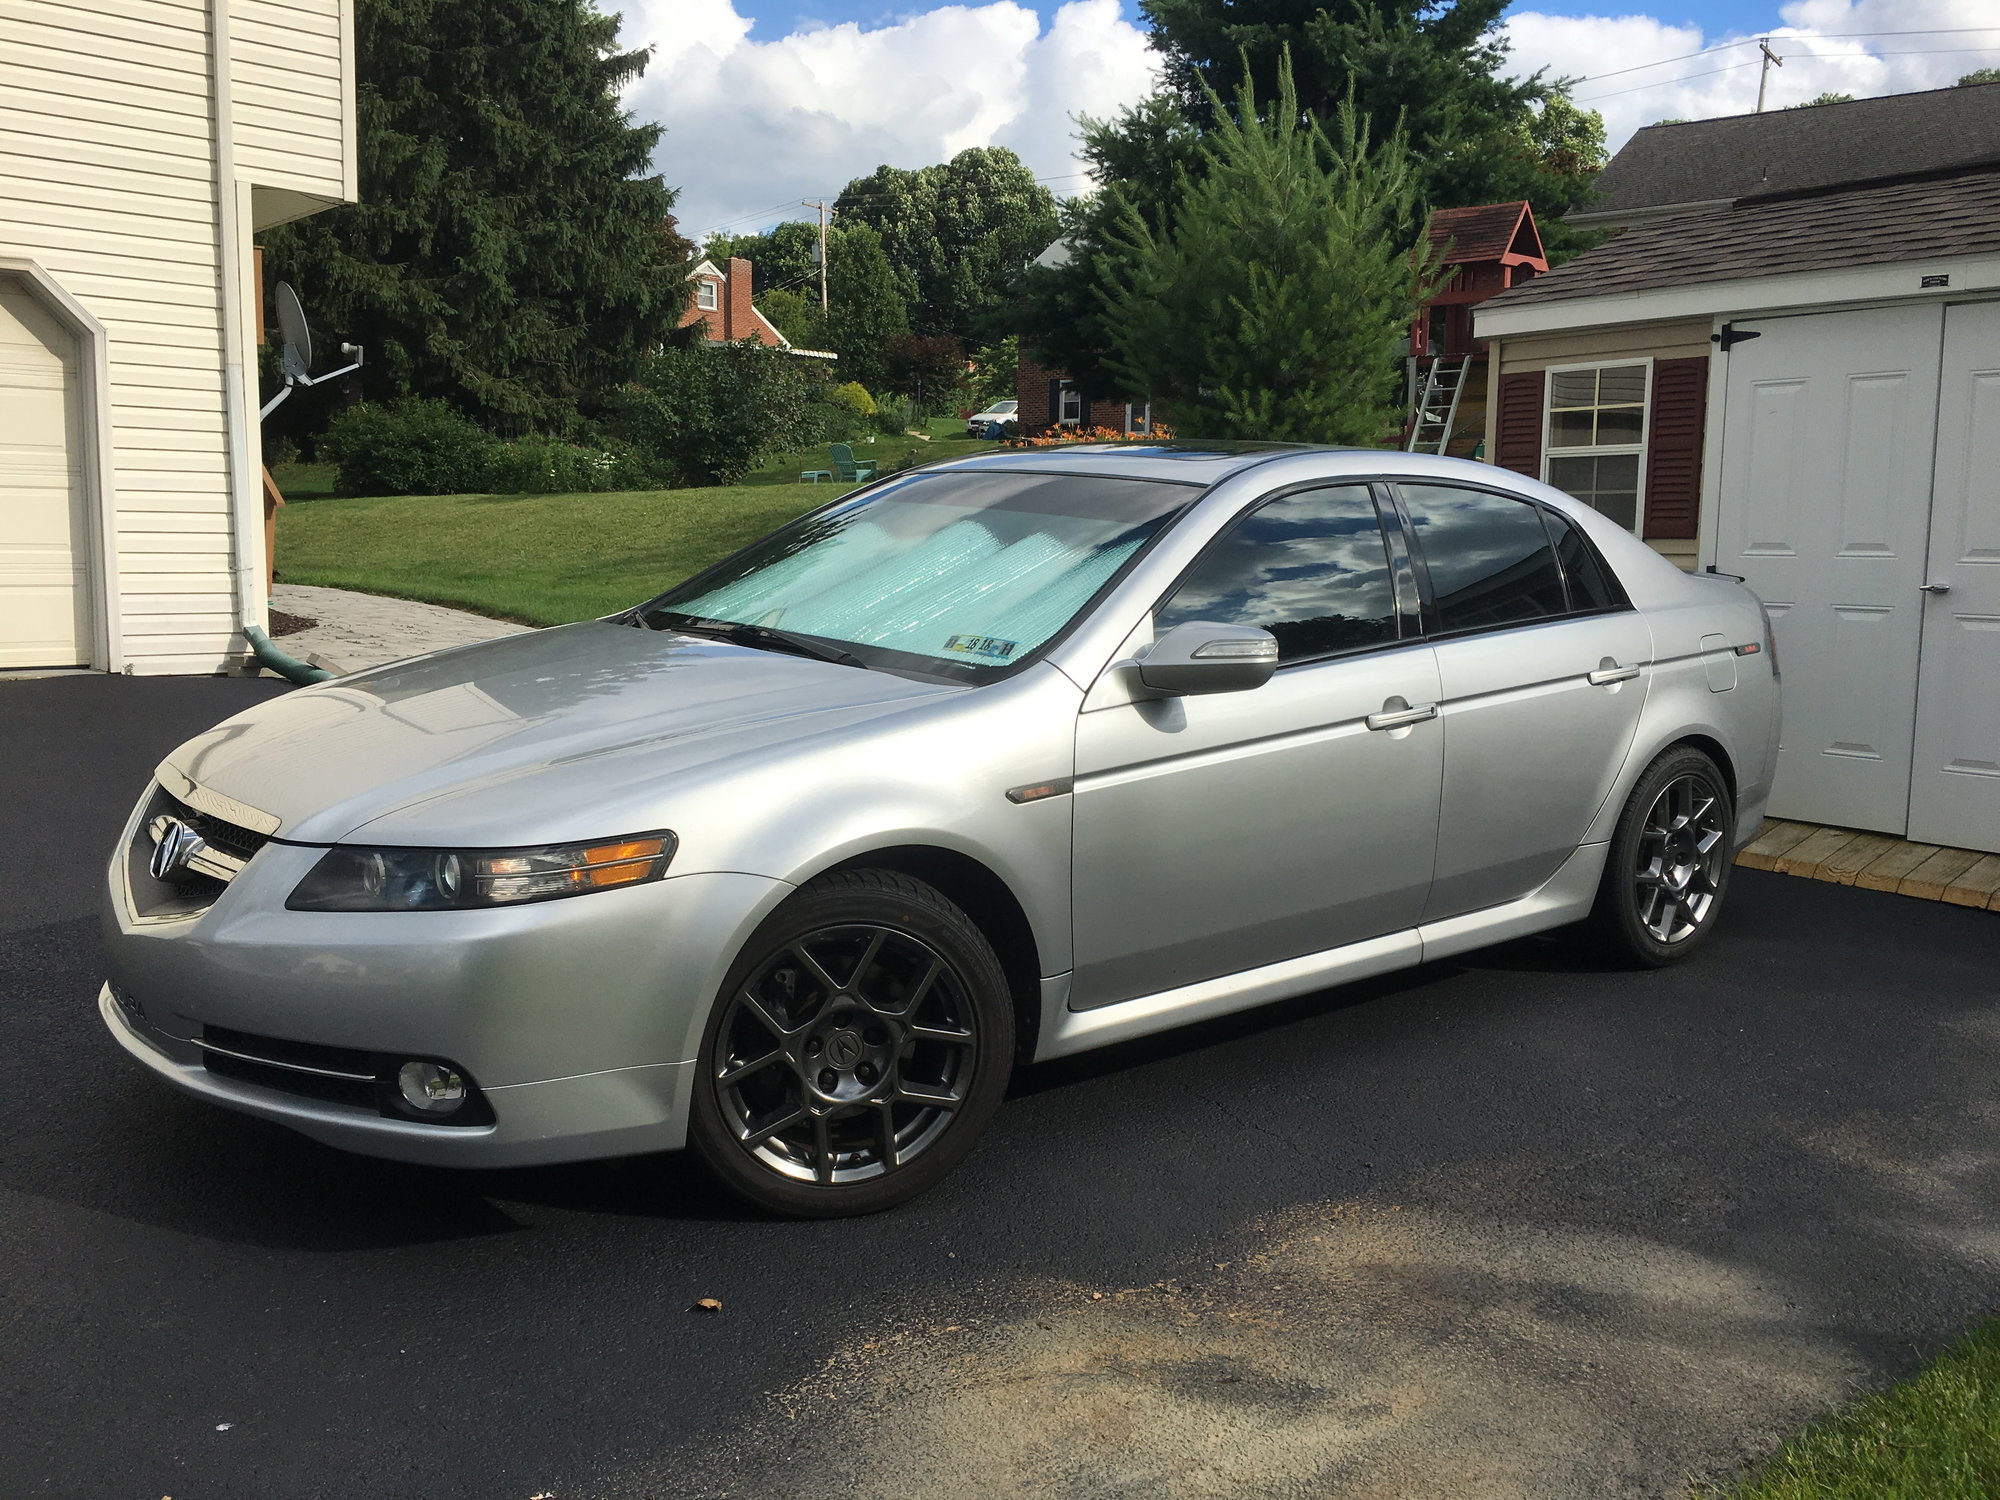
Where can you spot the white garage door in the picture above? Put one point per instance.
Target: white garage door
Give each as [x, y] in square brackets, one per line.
[1955, 786]
[1825, 510]
[44, 551]
[1860, 498]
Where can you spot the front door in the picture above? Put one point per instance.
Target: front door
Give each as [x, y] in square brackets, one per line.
[44, 550]
[1955, 786]
[1825, 493]
[1221, 832]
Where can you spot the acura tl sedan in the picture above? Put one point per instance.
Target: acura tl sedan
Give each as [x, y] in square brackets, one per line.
[991, 762]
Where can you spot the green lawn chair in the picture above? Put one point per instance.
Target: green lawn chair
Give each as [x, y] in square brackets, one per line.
[851, 471]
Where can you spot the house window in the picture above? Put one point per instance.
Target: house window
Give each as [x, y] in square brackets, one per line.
[1138, 419]
[1069, 406]
[704, 294]
[1596, 448]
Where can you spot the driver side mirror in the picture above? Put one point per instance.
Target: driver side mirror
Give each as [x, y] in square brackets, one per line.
[1200, 657]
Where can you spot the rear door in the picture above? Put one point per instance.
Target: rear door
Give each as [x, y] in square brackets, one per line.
[1542, 670]
[1824, 509]
[1955, 783]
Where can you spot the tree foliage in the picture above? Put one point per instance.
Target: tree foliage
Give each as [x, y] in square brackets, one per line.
[953, 232]
[785, 255]
[1426, 69]
[1273, 300]
[706, 413]
[928, 369]
[506, 254]
[865, 304]
[1979, 75]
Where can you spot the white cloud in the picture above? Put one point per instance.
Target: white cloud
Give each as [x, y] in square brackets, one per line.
[753, 127]
[1822, 56]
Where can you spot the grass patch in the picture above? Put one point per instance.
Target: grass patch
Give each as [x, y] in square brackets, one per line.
[1935, 1436]
[546, 559]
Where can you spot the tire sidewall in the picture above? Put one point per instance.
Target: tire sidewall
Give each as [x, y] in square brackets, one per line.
[884, 899]
[1618, 922]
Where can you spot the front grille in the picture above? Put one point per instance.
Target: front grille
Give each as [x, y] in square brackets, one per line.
[228, 837]
[334, 1075]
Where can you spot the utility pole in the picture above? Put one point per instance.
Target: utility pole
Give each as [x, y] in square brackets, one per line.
[1764, 72]
[821, 206]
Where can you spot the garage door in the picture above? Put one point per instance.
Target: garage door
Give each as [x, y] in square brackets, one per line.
[44, 548]
[1824, 509]
[1955, 783]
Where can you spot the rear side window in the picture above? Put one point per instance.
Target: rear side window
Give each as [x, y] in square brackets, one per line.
[1489, 559]
[1311, 568]
[1589, 589]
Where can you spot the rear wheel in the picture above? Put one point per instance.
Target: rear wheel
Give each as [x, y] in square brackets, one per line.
[1667, 870]
[861, 1044]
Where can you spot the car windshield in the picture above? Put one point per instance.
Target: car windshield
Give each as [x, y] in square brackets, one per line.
[953, 574]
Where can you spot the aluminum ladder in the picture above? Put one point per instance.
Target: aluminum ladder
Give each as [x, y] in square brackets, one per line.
[1435, 415]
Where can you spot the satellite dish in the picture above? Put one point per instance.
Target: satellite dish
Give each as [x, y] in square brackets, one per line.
[297, 355]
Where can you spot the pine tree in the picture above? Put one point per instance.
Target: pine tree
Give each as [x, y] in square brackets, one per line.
[506, 255]
[1274, 301]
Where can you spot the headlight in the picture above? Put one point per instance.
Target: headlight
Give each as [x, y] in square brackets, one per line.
[349, 879]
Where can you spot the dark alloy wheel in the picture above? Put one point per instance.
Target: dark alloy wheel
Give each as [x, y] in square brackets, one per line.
[860, 1045]
[1668, 866]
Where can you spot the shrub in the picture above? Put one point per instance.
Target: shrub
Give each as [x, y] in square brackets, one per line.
[414, 446]
[854, 396]
[537, 465]
[897, 416]
[704, 415]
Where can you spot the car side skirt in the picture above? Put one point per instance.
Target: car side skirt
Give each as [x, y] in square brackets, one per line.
[1564, 897]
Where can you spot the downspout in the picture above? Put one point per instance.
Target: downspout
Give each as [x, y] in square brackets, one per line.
[241, 473]
[287, 667]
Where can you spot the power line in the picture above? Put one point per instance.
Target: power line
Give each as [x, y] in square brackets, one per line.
[1663, 82]
[1660, 83]
[1806, 36]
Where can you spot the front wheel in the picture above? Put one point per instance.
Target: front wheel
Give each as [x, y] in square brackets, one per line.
[1667, 870]
[860, 1045]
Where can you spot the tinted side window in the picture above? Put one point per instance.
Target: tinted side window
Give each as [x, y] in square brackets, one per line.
[1311, 568]
[1589, 589]
[1489, 558]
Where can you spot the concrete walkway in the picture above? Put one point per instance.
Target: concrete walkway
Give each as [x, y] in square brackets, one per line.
[355, 631]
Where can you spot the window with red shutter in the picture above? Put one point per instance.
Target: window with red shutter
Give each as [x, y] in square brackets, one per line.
[1517, 437]
[1673, 455]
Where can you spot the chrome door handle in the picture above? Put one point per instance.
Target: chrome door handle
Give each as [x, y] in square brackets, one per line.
[1934, 588]
[1398, 718]
[1605, 676]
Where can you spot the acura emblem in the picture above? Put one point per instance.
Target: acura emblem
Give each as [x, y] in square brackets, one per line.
[174, 844]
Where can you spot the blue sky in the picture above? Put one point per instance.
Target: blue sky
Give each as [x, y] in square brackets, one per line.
[766, 103]
[776, 18]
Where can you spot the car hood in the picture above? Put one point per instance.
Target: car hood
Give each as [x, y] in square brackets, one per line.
[326, 760]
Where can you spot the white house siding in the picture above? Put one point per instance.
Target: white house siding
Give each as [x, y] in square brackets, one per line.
[107, 181]
[290, 62]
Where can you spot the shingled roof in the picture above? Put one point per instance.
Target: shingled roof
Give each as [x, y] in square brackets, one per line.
[1924, 218]
[1487, 232]
[1697, 162]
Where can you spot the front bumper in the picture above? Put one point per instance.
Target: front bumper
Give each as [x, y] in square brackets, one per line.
[577, 1020]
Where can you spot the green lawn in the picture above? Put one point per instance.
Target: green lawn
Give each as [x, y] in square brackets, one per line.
[548, 559]
[1936, 1436]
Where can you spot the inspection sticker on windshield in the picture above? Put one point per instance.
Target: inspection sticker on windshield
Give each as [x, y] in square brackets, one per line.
[982, 645]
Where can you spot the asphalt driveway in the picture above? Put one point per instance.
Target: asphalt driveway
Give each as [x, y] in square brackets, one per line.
[1505, 1226]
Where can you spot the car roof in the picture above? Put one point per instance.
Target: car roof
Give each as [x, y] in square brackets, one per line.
[1186, 463]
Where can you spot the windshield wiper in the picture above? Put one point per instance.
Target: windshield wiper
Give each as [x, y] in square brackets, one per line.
[766, 637]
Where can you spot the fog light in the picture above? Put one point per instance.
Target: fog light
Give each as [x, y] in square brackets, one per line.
[430, 1088]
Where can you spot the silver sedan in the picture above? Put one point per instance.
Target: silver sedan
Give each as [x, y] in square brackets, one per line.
[992, 762]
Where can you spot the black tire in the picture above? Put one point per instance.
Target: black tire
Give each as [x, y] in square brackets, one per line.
[1667, 871]
[860, 1045]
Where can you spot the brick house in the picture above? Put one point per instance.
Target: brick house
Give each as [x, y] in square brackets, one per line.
[721, 301]
[1049, 398]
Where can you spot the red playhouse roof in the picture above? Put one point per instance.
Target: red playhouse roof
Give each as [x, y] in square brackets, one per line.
[1493, 231]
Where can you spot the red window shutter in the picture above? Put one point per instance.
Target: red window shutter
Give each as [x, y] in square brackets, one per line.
[1517, 439]
[1673, 448]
